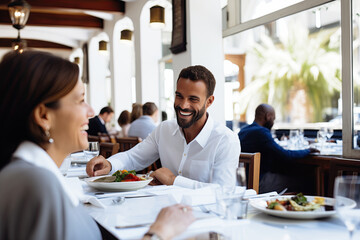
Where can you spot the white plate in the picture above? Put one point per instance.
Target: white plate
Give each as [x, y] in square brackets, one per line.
[117, 186]
[261, 205]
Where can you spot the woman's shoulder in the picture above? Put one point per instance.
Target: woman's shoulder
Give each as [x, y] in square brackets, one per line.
[20, 176]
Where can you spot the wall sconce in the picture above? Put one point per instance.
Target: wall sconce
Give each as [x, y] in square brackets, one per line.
[126, 36]
[102, 46]
[77, 60]
[157, 17]
[19, 11]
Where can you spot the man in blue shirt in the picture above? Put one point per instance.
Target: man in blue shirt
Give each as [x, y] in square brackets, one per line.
[277, 165]
[145, 124]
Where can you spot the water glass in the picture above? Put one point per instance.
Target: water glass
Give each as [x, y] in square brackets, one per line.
[347, 205]
[294, 139]
[92, 151]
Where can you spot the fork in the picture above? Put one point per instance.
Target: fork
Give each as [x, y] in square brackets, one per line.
[118, 200]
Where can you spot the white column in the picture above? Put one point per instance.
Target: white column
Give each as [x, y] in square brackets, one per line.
[204, 47]
[97, 73]
[147, 52]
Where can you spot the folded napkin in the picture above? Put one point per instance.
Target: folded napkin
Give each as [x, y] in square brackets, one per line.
[75, 185]
[206, 195]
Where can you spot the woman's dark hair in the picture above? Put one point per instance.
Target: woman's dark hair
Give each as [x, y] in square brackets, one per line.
[124, 118]
[27, 80]
[136, 111]
[199, 73]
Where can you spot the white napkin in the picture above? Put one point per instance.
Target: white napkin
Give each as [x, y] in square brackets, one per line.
[206, 195]
[76, 186]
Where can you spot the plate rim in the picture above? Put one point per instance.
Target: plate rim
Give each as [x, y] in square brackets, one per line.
[294, 214]
[117, 186]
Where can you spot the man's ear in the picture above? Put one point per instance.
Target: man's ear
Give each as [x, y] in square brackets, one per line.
[267, 117]
[209, 101]
[42, 116]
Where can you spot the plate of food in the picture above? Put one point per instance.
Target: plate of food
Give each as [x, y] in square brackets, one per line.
[296, 206]
[120, 181]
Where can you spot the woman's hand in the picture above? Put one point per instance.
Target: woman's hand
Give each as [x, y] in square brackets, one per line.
[172, 221]
[98, 166]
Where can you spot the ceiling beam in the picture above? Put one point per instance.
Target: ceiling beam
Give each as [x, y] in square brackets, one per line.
[95, 5]
[47, 19]
[31, 43]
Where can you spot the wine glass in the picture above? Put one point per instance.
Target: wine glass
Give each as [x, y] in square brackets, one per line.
[294, 138]
[329, 133]
[347, 205]
[321, 137]
[92, 151]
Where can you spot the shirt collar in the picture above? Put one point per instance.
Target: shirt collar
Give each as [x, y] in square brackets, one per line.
[101, 120]
[204, 134]
[32, 153]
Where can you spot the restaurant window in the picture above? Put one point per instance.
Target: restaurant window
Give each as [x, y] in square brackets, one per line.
[294, 64]
[356, 72]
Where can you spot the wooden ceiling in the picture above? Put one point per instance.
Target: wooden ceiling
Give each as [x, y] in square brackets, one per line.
[62, 13]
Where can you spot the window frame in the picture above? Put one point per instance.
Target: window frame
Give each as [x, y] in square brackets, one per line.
[346, 56]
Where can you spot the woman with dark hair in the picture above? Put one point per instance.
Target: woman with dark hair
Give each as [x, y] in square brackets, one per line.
[43, 119]
[124, 123]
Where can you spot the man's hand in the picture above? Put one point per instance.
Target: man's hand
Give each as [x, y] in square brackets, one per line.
[164, 176]
[98, 166]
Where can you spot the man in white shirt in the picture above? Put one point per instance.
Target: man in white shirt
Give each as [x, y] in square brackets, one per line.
[194, 149]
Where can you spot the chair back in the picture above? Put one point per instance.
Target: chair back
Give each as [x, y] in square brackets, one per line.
[342, 167]
[108, 149]
[93, 138]
[126, 143]
[252, 164]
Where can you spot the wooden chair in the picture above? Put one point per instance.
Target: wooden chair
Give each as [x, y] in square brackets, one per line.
[252, 164]
[342, 167]
[93, 138]
[127, 142]
[108, 149]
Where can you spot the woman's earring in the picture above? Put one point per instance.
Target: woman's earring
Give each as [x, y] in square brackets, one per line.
[47, 132]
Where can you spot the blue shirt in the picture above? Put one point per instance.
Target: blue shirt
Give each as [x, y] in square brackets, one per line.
[141, 127]
[274, 158]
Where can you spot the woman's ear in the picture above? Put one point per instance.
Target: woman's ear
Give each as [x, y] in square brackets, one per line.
[42, 117]
[209, 101]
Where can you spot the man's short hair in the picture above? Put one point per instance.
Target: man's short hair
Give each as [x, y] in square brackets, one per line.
[199, 73]
[107, 110]
[149, 108]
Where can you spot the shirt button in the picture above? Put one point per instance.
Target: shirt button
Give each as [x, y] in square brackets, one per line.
[179, 172]
[184, 154]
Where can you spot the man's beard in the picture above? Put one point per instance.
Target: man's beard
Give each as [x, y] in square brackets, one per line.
[268, 125]
[195, 116]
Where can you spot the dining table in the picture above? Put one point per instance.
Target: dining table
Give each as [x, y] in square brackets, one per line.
[128, 214]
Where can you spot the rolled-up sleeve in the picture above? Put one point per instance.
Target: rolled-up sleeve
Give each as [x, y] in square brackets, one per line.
[138, 157]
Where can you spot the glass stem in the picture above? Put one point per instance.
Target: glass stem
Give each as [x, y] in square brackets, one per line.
[351, 234]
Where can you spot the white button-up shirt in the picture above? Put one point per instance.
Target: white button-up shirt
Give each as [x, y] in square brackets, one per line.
[211, 157]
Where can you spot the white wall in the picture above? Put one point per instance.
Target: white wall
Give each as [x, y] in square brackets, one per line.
[97, 72]
[204, 47]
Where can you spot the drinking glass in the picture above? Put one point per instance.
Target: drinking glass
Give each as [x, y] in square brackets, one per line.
[92, 151]
[347, 205]
[329, 133]
[294, 138]
[321, 137]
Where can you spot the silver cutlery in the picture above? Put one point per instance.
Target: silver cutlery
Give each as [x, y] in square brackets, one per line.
[118, 200]
[133, 226]
[208, 211]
